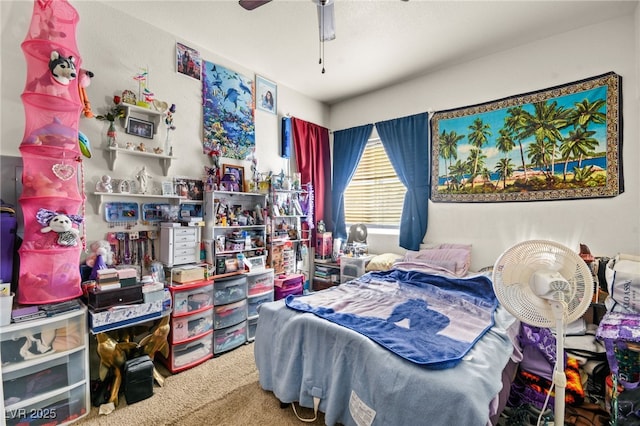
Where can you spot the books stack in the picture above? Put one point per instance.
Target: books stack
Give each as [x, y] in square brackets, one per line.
[108, 279]
[26, 313]
[323, 272]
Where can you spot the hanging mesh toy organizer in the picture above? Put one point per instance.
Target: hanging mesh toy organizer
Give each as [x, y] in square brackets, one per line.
[49, 258]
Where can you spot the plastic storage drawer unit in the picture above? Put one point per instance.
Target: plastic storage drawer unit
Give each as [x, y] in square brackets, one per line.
[260, 282]
[189, 326]
[192, 297]
[229, 338]
[256, 301]
[231, 314]
[229, 290]
[189, 354]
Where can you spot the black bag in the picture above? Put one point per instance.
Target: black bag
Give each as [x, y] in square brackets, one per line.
[138, 379]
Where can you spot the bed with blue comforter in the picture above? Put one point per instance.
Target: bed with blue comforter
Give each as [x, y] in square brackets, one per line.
[397, 347]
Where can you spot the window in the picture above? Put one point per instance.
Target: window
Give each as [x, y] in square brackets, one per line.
[375, 194]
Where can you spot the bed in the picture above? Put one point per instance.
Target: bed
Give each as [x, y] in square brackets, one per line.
[323, 349]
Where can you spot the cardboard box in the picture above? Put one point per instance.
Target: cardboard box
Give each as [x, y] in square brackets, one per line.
[188, 273]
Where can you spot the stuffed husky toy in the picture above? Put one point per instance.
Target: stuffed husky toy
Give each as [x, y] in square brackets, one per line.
[62, 70]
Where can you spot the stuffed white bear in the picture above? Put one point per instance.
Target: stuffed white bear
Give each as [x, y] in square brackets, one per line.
[102, 248]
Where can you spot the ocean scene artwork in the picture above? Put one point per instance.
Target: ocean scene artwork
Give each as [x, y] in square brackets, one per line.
[228, 112]
[558, 143]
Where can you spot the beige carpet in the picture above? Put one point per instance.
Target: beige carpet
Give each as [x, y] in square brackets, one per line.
[222, 391]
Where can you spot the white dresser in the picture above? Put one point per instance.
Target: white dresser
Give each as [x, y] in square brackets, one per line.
[179, 245]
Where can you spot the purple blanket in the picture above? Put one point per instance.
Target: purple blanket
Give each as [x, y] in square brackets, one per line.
[427, 319]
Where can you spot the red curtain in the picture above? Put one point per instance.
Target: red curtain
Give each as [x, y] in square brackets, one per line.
[313, 159]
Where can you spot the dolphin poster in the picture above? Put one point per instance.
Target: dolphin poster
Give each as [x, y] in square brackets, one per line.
[228, 107]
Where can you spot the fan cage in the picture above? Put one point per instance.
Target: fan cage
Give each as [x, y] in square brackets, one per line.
[514, 269]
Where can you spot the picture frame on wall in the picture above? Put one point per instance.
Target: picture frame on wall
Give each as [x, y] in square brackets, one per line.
[266, 95]
[188, 61]
[138, 127]
[232, 178]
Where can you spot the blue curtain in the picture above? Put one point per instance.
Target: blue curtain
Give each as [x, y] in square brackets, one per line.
[348, 146]
[406, 141]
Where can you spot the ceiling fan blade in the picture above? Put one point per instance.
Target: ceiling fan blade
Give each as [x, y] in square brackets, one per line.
[326, 19]
[252, 4]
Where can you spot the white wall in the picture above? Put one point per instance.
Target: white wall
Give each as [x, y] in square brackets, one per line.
[114, 47]
[608, 225]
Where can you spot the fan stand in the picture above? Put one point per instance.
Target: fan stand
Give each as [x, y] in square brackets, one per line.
[559, 375]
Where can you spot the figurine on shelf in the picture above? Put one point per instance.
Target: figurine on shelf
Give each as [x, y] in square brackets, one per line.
[158, 150]
[129, 146]
[104, 184]
[141, 147]
[143, 180]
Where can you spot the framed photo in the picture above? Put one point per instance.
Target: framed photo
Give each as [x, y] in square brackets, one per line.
[191, 189]
[232, 178]
[141, 128]
[559, 143]
[188, 61]
[167, 188]
[266, 95]
[255, 263]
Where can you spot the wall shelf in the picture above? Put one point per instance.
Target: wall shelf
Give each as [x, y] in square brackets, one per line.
[134, 110]
[100, 195]
[165, 160]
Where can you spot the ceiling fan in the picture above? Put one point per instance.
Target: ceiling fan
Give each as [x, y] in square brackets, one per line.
[326, 17]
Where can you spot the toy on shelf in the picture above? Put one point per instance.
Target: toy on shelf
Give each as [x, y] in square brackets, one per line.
[100, 248]
[62, 70]
[60, 223]
[84, 80]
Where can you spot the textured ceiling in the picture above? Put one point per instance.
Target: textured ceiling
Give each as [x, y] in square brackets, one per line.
[378, 42]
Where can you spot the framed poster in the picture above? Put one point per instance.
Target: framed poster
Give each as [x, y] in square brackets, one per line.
[188, 61]
[553, 144]
[266, 95]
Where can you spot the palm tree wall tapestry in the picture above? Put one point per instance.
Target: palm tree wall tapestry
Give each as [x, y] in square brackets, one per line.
[560, 143]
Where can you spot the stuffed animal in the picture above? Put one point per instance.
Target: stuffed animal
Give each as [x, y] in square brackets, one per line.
[60, 223]
[39, 185]
[62, 70]
[100, 248]
[84, 80]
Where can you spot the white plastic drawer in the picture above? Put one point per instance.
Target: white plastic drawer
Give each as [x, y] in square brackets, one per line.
[229, 338]
[255, 302]
[44, 377]
[185, 245]
[191, 352]
[229, 290]
[181, 260]
[192, 300]
[260, 283]
[65, 406]
[231, 314]
[190, 326]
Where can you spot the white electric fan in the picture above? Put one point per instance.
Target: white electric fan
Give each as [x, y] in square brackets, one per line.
[545, 284]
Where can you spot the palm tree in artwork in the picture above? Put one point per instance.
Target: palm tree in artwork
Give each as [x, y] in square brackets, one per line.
[458, 170]
[505, 144]
[587, 112]
[545, 125]
[578, 144]
[449, 148]
[478, 136]
[514, 123]
[475, 163]
[505, 169]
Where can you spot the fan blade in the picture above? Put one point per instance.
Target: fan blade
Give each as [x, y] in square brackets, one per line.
[326, 19]
[252, 4]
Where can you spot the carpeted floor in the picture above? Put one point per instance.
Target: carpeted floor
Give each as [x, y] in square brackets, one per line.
[222, 391]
